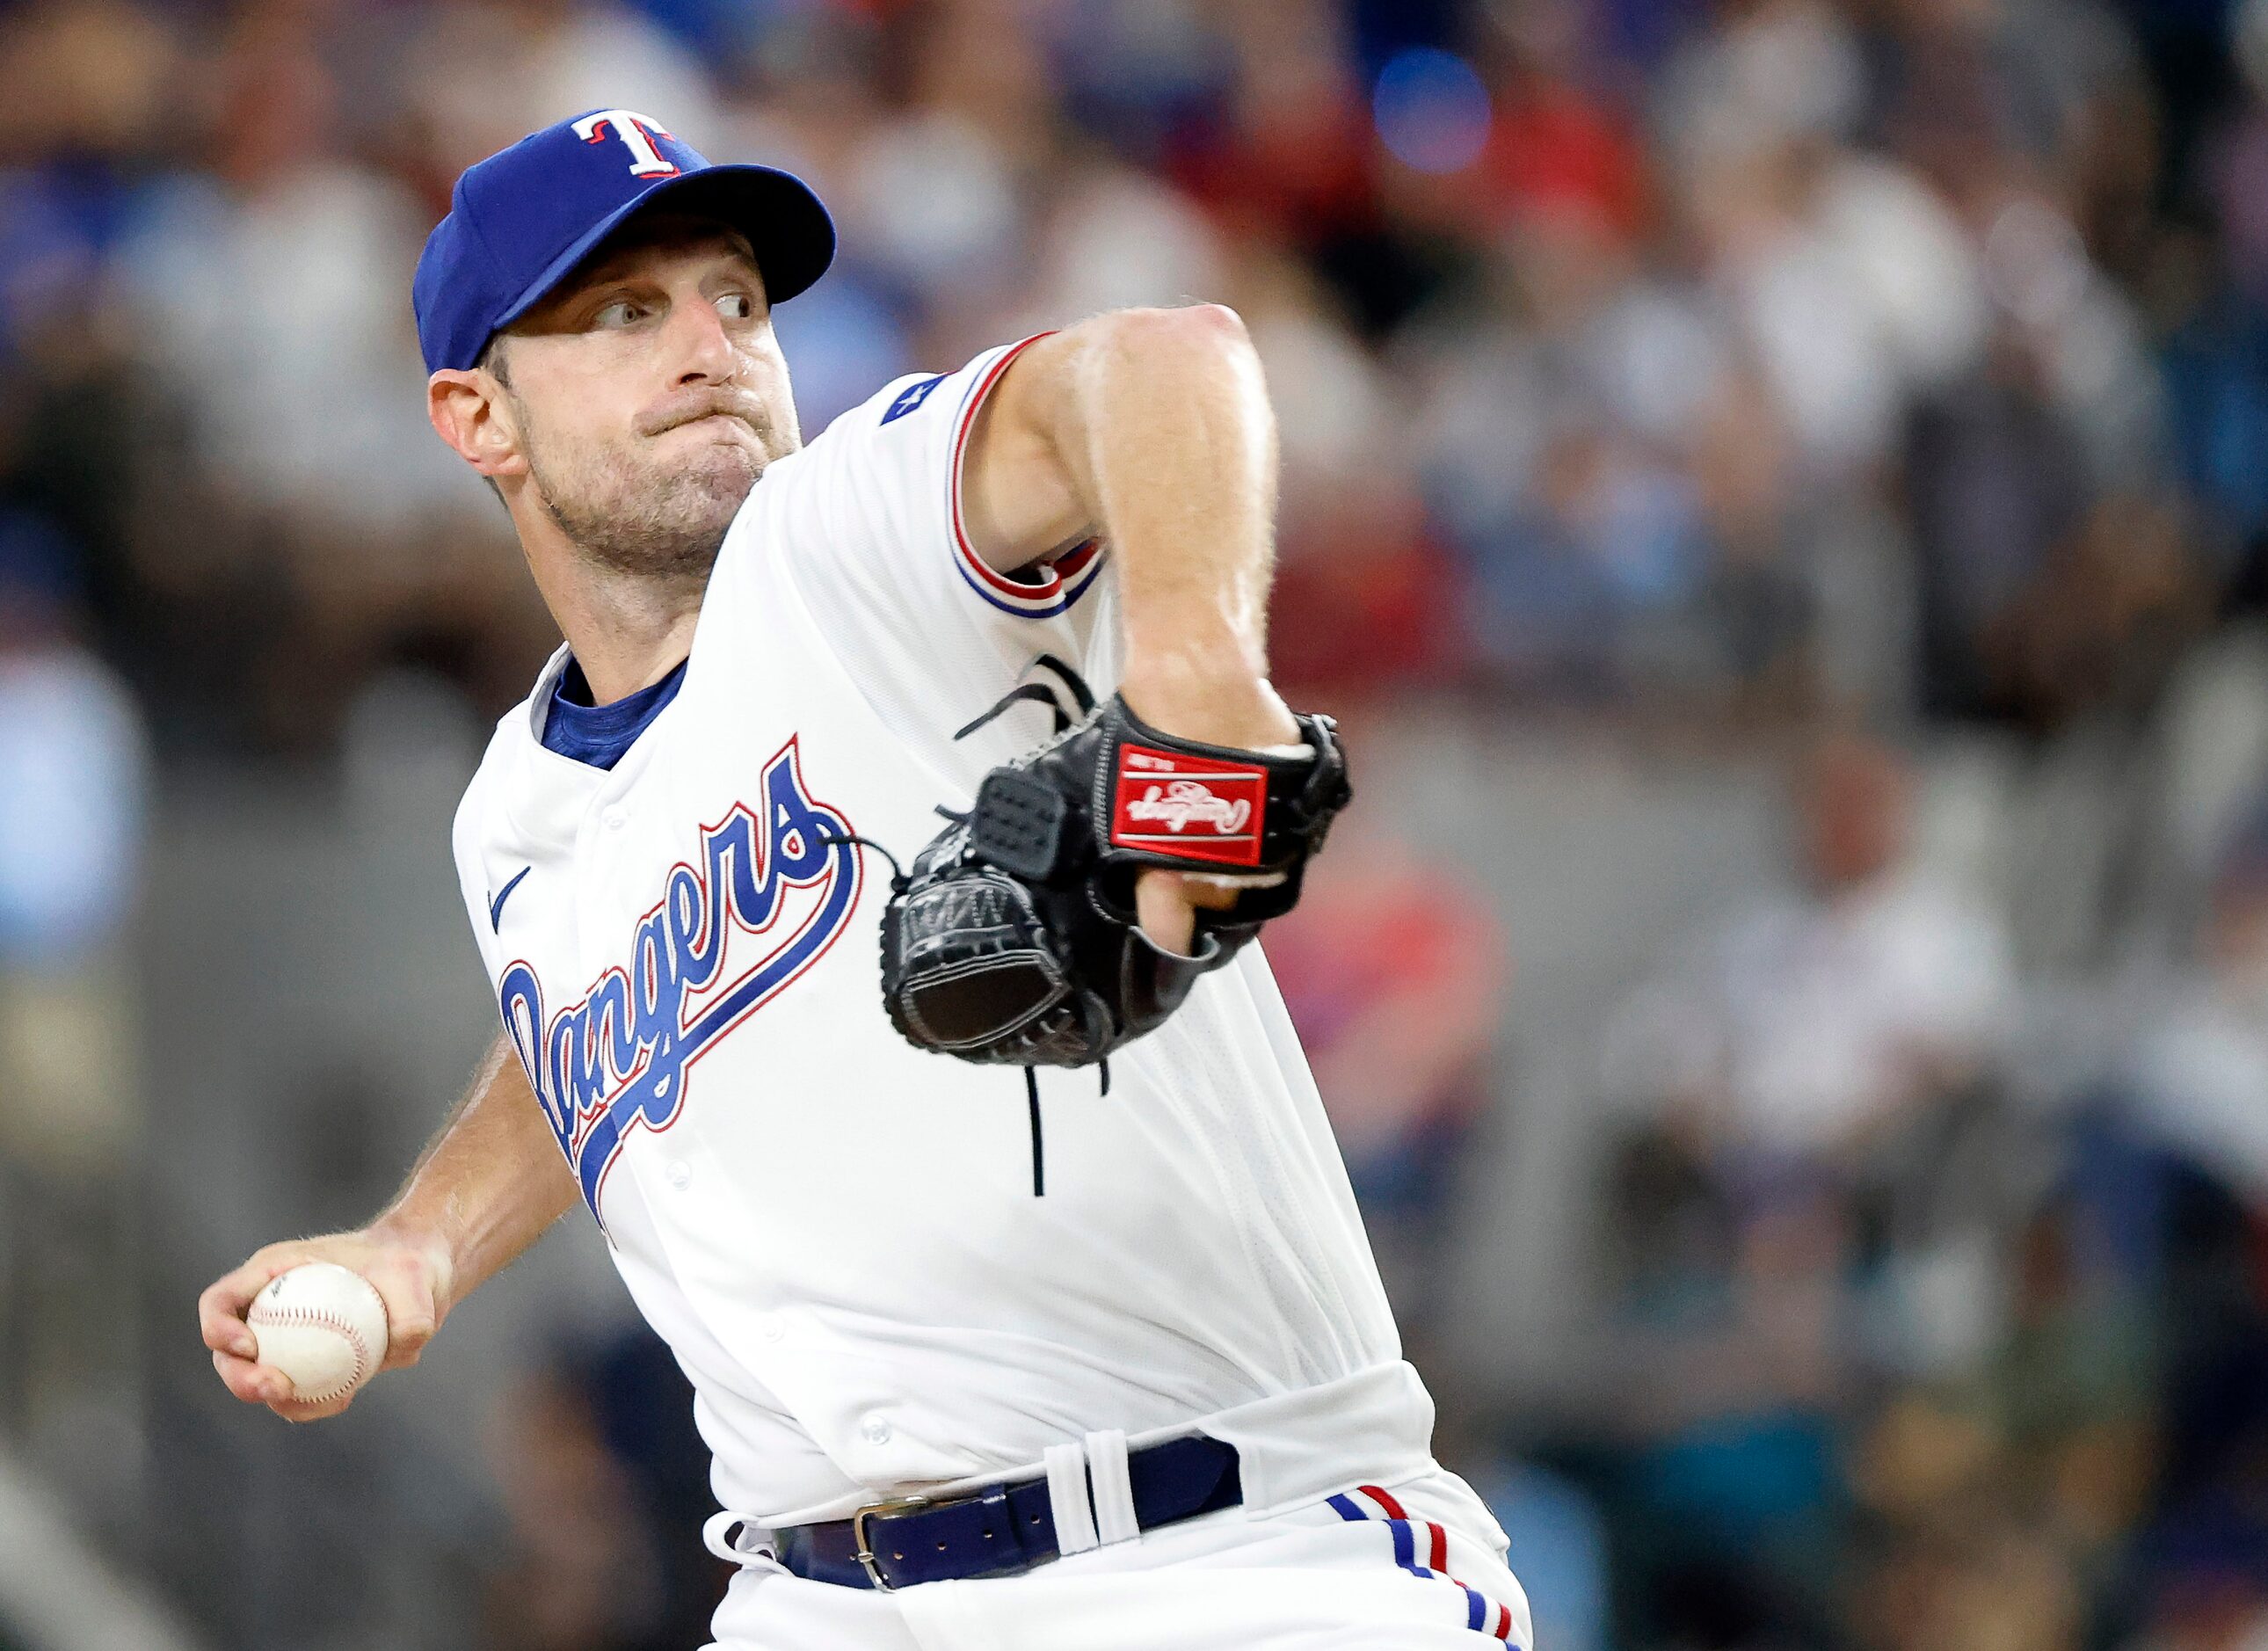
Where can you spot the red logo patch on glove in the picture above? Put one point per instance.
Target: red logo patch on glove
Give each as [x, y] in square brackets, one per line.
[1201, 808]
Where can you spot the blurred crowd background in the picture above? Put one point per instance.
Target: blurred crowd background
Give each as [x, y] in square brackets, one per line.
[1778, 491]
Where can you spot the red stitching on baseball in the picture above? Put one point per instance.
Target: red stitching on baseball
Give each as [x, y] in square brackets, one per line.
[296, 1315]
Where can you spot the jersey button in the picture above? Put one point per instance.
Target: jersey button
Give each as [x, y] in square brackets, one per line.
[770, 1329]
[679, 1173]
[875, 1431]
[614, 819]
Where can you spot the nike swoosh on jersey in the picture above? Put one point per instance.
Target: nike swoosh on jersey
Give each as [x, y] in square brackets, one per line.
[496, 906]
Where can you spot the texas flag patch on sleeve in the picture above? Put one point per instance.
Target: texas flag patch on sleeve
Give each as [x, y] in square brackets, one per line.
[908, 399]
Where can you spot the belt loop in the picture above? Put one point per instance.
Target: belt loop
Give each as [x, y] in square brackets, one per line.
[718, 1536]
[1067, 1496]
[1115, 1520]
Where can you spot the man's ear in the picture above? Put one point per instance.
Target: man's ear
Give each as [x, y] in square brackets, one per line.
[471, 412]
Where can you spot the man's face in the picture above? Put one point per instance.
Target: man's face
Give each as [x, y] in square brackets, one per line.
[649, 394]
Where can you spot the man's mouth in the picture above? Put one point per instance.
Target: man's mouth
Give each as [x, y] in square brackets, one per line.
[710, 414]
[733, 419]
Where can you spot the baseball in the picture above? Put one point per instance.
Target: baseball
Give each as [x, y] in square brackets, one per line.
[322, 1325]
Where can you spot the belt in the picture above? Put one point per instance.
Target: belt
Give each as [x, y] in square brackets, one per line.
[1001, 1529]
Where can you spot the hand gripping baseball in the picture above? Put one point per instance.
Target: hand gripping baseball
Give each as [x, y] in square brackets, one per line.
[1014, 938]
[412, 1278]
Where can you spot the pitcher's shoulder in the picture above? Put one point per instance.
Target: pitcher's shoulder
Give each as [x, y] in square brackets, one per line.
[505, 767]
[468, 824]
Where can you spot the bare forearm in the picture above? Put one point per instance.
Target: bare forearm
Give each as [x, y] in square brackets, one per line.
[1152, 428]
[486, 1188]
[491, 1181]
[1176, 461]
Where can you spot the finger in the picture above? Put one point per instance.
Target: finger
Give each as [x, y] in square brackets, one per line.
[223, 1331]
[1163, 909]
[410, 1319]
[222, 1307]
[401, 1354]
[254, 1383]
[1214, 894]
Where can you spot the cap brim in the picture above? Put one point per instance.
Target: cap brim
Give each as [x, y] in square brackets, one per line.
[789, 231]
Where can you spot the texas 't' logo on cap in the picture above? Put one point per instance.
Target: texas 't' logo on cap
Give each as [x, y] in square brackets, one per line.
[636, 132]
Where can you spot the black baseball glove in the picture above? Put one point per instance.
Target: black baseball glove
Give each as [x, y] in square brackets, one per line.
[1014, 938]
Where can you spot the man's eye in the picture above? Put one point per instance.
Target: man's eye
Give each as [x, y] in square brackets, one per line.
[621, 312]
[738, 306]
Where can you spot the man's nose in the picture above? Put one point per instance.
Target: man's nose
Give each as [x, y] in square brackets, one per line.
[702, 349]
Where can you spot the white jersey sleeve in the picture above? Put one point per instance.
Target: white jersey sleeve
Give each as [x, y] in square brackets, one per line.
[867, 521]
[490, 849]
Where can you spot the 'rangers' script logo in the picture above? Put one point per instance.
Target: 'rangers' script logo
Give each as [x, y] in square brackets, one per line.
[621, 1057]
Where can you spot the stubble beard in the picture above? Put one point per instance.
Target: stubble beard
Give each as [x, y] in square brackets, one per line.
[651, 522]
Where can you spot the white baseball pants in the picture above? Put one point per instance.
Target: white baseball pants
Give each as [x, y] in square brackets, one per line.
[1369, 1570]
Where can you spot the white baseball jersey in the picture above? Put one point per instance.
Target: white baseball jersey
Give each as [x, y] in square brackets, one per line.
[836, 1233]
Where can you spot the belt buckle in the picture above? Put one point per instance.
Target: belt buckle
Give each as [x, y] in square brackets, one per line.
[866, 1554]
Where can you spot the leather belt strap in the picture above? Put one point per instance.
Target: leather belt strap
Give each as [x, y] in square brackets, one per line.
[1001, 1529]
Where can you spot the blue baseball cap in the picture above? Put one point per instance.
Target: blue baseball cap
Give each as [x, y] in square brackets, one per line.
[521, 219]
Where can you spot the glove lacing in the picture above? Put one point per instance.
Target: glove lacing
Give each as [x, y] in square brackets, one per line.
[1023, 693]
[1040, 694]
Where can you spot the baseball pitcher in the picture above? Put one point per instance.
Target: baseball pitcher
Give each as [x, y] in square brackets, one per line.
[866, 889]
